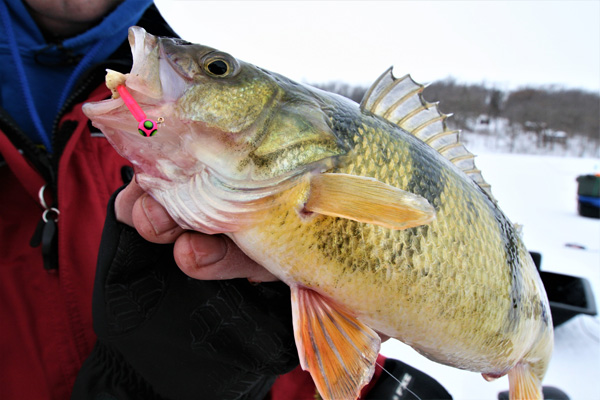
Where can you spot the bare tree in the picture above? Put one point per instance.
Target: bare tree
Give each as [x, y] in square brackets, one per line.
[543, 111]
[572, 111]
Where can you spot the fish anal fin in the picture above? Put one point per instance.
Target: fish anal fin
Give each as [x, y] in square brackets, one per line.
[338, 350]
[367, 200]
[523, 383]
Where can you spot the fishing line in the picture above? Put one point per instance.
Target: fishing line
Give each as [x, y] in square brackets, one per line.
[404, 387]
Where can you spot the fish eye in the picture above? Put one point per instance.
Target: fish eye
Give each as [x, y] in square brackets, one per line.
[218, 67]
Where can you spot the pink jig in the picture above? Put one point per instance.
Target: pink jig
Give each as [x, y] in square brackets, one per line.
[146, 126]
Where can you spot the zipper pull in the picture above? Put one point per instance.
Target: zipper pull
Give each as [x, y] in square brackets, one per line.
[46, 234]
[49, 245]
[36, 239]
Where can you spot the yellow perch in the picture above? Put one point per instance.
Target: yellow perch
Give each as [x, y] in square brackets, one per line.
[373, 214]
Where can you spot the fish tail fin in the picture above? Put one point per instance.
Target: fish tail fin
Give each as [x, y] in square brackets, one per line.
[338, 350]
[523, 383]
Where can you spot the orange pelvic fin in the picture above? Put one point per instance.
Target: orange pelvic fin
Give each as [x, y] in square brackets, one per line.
[524, 384]
[338, 350]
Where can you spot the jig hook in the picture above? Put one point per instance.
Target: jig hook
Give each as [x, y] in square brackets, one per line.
[146, 126]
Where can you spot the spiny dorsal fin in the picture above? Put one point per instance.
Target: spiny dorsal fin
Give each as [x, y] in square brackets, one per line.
[401, 101]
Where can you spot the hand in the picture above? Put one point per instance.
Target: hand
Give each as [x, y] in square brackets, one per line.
[174, 337]
[200, 256]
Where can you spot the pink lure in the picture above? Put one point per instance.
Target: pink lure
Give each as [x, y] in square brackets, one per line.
[146, 126]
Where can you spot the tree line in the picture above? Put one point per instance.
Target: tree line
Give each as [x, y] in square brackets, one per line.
[550, 113]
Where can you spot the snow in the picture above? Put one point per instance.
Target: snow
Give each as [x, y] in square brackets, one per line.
[539, 192]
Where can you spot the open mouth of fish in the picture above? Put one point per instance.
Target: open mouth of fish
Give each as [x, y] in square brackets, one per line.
[154, 86]
[183, 145]
[152, 82]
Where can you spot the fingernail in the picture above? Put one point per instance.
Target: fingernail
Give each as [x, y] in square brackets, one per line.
[159, 219]
[208, 249]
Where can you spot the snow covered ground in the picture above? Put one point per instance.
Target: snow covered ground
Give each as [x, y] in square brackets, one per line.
[539, 192]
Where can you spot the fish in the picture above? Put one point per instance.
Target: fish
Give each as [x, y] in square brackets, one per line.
[374, 214]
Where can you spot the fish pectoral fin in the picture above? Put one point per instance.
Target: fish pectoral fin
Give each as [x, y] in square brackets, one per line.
[523, 383]
[367, 200]
[338, 350]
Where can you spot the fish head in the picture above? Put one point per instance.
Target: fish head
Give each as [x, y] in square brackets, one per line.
[220, 118]
[208, 102]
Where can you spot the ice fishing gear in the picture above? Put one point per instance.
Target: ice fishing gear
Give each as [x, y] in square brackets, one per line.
[146, 127]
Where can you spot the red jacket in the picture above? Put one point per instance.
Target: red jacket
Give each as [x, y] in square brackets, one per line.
[46, 316]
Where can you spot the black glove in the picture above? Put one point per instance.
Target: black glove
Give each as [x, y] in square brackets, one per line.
[163, 335]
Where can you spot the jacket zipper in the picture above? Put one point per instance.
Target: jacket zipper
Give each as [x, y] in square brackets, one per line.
[46, 231]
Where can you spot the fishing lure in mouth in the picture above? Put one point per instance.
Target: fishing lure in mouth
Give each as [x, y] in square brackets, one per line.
[146, 126]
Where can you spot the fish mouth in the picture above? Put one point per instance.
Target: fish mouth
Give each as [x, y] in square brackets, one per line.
[155, 87]
[152, 82]
[182, 146]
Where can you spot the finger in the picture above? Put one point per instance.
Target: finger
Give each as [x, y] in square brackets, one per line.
[125, 200]
[216, 257]
[153, 222]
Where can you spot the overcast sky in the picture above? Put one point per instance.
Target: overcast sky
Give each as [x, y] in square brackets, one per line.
[507, 44]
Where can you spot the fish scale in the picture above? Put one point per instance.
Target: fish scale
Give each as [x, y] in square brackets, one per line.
[337, 242]
[455, 235]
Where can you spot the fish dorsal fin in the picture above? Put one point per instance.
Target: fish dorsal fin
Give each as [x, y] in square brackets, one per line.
[400, 101]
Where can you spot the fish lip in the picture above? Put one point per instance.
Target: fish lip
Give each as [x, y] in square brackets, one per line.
[148, 94]
[144, 76]
[152, 74]
[96, 109]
